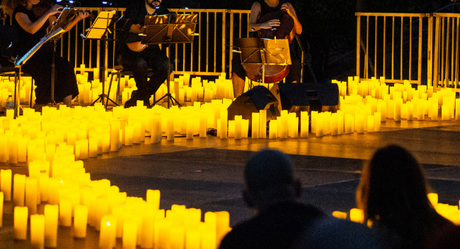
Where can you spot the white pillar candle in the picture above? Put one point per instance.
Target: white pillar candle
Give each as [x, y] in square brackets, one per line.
[37, 231]
[129, 234]
[20, 222]
[255, 125]
[65, 213]
[107, 236]
[114, 135]
[129, 131]
[13, 149]
[238, 120]
[31, 189]
[6, 177]
[1, 208]
[148, 225]
[92, 147]
[178, 233]
[273, 129]
[263, 123]
[223, 123]
[304, 124]
[51, 225]
[19, 185]
[80, 221]
[153, 198]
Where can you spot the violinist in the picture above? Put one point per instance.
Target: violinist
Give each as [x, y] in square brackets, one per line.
[31, 25]
[260, 9]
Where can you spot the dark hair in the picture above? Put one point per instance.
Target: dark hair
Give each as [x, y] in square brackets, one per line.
[393, 193]
[11, 5]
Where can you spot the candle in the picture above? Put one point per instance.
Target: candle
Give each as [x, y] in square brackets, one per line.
[147, 230]
[223, 123]
[129, 234]
[80, 221]
[108, 232]
[223, 225]
[1, 208]
[51, 225]
[37, 231]
[153, 198]
[255, 125]
[178, 233]
[238, 120]
[304, 124]
[20, 223]
[208, 239]
[31, 187]
[19, 184]
[357, 215]
[65, 213]
[6, 175]
[192, 239]
[263, 123]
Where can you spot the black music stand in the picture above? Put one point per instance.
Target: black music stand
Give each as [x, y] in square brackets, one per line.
[167, 29]
[98, 31]
[264, 52]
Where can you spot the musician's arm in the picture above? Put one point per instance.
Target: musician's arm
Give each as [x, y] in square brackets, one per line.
[254, 17]
[32, 27]
[297, 25]
[81, 16]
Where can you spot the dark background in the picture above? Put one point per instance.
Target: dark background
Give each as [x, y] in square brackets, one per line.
[329, 26]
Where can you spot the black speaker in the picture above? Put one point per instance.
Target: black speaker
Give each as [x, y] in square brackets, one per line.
[315, 96]
[257, 98]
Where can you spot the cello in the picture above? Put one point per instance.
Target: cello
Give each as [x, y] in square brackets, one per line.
[273, 73]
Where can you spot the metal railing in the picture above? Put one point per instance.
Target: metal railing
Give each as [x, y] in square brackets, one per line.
[209, 54]
[421, 48]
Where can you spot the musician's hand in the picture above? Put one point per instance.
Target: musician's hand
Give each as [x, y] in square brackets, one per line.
[82, 15]
[136, 28]
[55, 9]
[287, 8]
[271, 24]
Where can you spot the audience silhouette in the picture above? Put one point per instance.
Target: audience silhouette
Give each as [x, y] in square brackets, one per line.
[273, 193]
[393, 195]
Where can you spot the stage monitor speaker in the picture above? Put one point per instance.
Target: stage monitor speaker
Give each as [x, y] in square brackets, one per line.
[257, 98]
[315, 96]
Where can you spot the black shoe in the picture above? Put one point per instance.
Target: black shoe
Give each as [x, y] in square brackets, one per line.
[131, 102]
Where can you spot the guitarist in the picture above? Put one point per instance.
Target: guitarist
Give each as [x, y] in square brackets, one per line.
[259, 9]
[139, 57]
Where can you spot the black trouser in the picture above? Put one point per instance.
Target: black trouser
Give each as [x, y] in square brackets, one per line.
[140, 62]
[39, 67]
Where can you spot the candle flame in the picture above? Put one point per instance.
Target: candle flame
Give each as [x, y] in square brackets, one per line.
[108, 223]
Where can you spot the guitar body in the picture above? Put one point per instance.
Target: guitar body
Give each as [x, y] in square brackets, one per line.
[136, 46]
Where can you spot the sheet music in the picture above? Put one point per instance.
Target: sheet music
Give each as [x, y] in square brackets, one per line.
[65, 18]
[99, 26]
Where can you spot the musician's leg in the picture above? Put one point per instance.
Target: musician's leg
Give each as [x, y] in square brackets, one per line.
[39, 72]
[238, 76]
[138, 65]
[159, 64]
[238, 85]
[66, 87]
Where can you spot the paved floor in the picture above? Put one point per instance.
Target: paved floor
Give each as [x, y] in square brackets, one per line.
[206, 173]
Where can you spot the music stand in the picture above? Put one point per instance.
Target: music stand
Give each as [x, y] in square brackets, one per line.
[52, 36]
[98, 31]
[167, 29]
[264, 52]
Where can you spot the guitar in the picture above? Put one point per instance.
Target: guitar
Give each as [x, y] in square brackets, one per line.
[136, 46]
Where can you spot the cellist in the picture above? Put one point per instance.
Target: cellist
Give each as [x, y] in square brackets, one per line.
[259, 9]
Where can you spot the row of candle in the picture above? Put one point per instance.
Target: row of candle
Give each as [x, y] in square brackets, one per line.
[69, 194]
[450, 212]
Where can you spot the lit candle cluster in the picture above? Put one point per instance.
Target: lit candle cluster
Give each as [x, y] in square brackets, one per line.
[71, 198]
[450, 212]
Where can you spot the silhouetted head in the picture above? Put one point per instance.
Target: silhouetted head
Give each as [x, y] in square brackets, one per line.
[269, 179]
[393, 189]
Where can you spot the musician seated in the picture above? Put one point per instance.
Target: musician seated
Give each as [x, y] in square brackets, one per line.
[31, 19]
[140, 57]
[266, 8]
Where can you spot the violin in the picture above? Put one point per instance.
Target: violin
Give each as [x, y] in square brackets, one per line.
[41, 8]
[273, 73]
